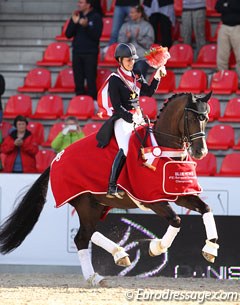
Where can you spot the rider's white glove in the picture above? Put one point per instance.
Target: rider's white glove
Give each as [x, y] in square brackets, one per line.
[138, 119]
[161, 72]
[65, 130]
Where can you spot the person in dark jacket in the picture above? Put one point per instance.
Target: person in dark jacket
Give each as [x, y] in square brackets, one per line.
[85, 27]
[161, 16]
[229, 34]
[124, 89]
[20, 149]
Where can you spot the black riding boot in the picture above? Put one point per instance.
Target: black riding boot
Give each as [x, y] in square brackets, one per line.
[117, 166]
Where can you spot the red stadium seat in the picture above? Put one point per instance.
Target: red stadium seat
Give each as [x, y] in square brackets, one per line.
[44, 159]
[237, 146]
[49, 107]
[56, 54]
[90, 128]
[62, 36]
[214, 109]
[207, 57]
[81, 106]
[181, 56]
[224, 82]
[232, 60]
[54, 131]
[37, 80]
[167, 83]
[107, 29]
[149, 106]
[230, 165]
[18, 105]
[102, 75]
[64, 82]
[194, 81]
[109, 59]
[178, 7]
[110, 12]
[220, 137]
[210, 8]
[215, 36]
[232, 111]
[207, 166]
[5, 128]
[37, 130]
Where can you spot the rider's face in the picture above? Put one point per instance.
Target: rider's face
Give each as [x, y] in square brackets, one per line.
[127, 63]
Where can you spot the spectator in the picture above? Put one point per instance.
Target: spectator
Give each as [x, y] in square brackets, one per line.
[194, 19]
[121, 11]
[2, 90]
[140, 33]
[70, 133]
[20, 148]
[85, 27]
[229, 34]
[161, 15]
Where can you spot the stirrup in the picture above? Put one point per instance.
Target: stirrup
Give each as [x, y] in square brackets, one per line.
[114, 192]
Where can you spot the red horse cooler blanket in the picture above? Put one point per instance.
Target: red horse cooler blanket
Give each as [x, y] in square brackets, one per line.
[83, 167]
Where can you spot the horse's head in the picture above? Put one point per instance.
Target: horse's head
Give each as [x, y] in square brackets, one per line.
[182, 123]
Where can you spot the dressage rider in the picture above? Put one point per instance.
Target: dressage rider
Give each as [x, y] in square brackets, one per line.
[124, 89]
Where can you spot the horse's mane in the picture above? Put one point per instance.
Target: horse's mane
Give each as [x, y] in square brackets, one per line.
[172, 98]
[166, 102]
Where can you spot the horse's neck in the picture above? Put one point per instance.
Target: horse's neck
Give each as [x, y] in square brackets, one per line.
[166, 129]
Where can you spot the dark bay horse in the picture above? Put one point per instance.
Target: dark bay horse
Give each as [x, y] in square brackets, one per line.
[180, 125]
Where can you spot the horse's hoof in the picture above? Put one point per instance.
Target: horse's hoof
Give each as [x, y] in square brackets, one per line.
[155, 248]
[124, 262]
[150, 253]
[121, 258]
[103, 283]
[209, 257]
[95, 280]
[210, 251]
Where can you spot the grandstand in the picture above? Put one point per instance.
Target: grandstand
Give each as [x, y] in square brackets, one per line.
[34, 49]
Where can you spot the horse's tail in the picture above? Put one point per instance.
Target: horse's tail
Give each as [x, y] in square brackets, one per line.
[22, 220]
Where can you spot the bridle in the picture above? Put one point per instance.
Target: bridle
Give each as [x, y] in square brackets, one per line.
[187, 138]
[201, 115]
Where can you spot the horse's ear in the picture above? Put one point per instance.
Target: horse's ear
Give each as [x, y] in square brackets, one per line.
[206, 97]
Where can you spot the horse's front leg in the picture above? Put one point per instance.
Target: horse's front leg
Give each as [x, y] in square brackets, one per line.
[159, 246]
[195, 203]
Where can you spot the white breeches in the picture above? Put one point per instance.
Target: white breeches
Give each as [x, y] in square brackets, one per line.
[123, 131]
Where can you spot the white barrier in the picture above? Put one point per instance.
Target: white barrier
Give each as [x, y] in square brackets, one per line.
[51, 241]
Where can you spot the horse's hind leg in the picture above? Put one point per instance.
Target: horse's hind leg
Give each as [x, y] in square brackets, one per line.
[89, 213]
[159, 246]
[195, 203]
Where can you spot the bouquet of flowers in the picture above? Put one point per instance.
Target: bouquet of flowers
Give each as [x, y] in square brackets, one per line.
[157, 56]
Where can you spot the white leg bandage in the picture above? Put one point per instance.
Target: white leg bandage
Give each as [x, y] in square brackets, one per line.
[159, 246]
[103, 242]
[86, 263]
[87, 268]
[169, 236]
[210, 225]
